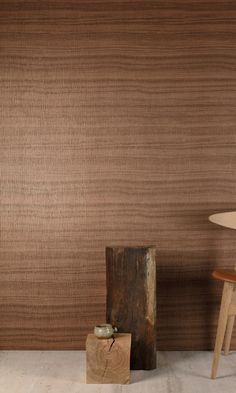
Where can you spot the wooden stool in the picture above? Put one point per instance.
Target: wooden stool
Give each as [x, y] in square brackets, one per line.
[226, 317]
[108, 360]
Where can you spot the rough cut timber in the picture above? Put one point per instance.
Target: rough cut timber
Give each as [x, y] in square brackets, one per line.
[131, 300]
[108, 361]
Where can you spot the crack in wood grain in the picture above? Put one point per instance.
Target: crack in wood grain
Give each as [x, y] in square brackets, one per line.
[112, 343]
[109, 350]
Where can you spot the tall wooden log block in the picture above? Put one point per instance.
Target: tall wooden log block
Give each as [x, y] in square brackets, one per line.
[108, 360]
[131, 300]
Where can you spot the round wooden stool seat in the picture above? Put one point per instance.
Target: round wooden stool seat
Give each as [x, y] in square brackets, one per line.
[225, 275]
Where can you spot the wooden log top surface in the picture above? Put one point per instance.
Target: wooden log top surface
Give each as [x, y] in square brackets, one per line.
[131, 247]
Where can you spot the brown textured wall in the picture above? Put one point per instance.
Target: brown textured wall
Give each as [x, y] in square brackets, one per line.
[118, 127]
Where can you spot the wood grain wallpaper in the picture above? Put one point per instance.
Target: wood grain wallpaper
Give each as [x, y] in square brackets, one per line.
[118, 127]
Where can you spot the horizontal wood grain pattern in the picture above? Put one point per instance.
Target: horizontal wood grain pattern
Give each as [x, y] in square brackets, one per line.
[117, 128]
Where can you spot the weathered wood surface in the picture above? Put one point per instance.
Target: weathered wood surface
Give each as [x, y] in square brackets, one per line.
[117, 127]
[108, 360]
[131, 300]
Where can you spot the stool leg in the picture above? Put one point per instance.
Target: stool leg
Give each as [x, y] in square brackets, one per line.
[223, 317]
[228, 334]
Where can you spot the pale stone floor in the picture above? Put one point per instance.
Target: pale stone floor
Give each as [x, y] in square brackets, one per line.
[64, 372]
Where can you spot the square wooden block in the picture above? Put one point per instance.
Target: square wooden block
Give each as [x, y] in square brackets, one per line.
[108, 360]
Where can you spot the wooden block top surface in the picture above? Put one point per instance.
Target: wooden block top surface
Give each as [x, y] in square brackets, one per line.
[118, 336]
